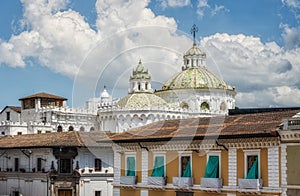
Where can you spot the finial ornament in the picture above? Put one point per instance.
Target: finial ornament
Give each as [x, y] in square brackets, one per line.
[194, 29]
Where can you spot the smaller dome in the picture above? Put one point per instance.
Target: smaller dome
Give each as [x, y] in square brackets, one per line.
[141, 100]
[104, 93]
[195, 50]
[194, 78]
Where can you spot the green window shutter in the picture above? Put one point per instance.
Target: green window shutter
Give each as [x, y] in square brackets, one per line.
[159, 168]
[212, 167]
[130, 166]
[187, 172]
[253, 171]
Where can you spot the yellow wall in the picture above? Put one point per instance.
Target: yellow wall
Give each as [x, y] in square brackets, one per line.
[139, 166]
[125, 192]
[172, 165]
[240, 163]
[199, 165]
[150, 163]
[293, 161]
[162, 193]
[264, 166]
[224, 167]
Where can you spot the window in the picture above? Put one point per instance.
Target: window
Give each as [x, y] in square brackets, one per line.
[184, 105]
[158, 166]
[98, 165]
[7, 116]
[252, 164]
[185, 165]
[223, 106]
[213, 169]
[204, 106]
[97, 193]
[16, 193]
[130, 165]
[65, 165]
[19, 133]
[16, 164]
[71, 128]
[39, 164]
[39, 132]
[181, 193]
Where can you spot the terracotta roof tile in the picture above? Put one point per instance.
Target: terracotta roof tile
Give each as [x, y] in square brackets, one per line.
[14, 108]
[55, 139]
[43, 95]
[237, 125]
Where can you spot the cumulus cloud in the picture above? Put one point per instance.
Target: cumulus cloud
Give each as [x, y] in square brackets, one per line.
[60, 39]
[174, 3]
[292, 3]
[291, 36]
[204, 7]
[261, 72]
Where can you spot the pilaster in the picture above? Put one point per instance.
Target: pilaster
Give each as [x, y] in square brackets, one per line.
[273, 167]
[232, 167]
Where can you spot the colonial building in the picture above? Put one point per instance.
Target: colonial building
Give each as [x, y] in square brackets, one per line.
[231, 155]
[193, 92]
[290, 151]
[44, 112]
[56, 164]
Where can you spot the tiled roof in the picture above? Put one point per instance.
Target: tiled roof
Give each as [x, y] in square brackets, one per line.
[246, 125]
[43, 95]
[14, 108]
[55, 139]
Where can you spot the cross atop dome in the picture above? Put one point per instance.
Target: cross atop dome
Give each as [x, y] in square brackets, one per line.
[194, 29]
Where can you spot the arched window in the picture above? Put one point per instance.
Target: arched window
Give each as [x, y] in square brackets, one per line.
[139, 86]
[184, 105]
[92, 129]
[204, 106]
[223, 106]
[81, 129]
[71, 128]
[146, 86]
[59, 128]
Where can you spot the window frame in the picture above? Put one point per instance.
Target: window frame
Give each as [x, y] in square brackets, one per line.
[130, 154]
[215, 153]
[60, 166]
[96, 168]
[184, 154]
[252, 152]
[160, 154]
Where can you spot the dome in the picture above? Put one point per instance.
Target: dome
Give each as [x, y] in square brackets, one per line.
[195, 78]
[104, 94]
[141, 100]
[194, 51]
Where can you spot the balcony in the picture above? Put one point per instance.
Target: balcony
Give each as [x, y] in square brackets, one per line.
[156, 181]
[215, 183]
[250, 183]
[128, 180]
[183, 182]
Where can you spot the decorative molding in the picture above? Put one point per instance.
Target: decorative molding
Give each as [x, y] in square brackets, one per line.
[273, 167]
[232, 167]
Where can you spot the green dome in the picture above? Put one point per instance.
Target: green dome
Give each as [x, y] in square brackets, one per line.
[141, 100]
[195, 78]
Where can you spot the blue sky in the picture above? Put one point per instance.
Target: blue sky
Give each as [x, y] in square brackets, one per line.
[66, 47]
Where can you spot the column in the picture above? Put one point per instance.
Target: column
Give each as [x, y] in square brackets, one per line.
[144, 172]
[117, 172]
[232, 167]
[273, 167]
[283, 169]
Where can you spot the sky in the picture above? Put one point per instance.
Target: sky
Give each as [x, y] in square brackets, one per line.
[74, 48]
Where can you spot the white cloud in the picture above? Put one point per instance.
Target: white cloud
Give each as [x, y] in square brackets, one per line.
[258, 70]
[292, 3]
[60, 38]
[291, 36]
[204, 7]
[174, 3]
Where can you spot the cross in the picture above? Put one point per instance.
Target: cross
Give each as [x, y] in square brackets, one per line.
[194, 29]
